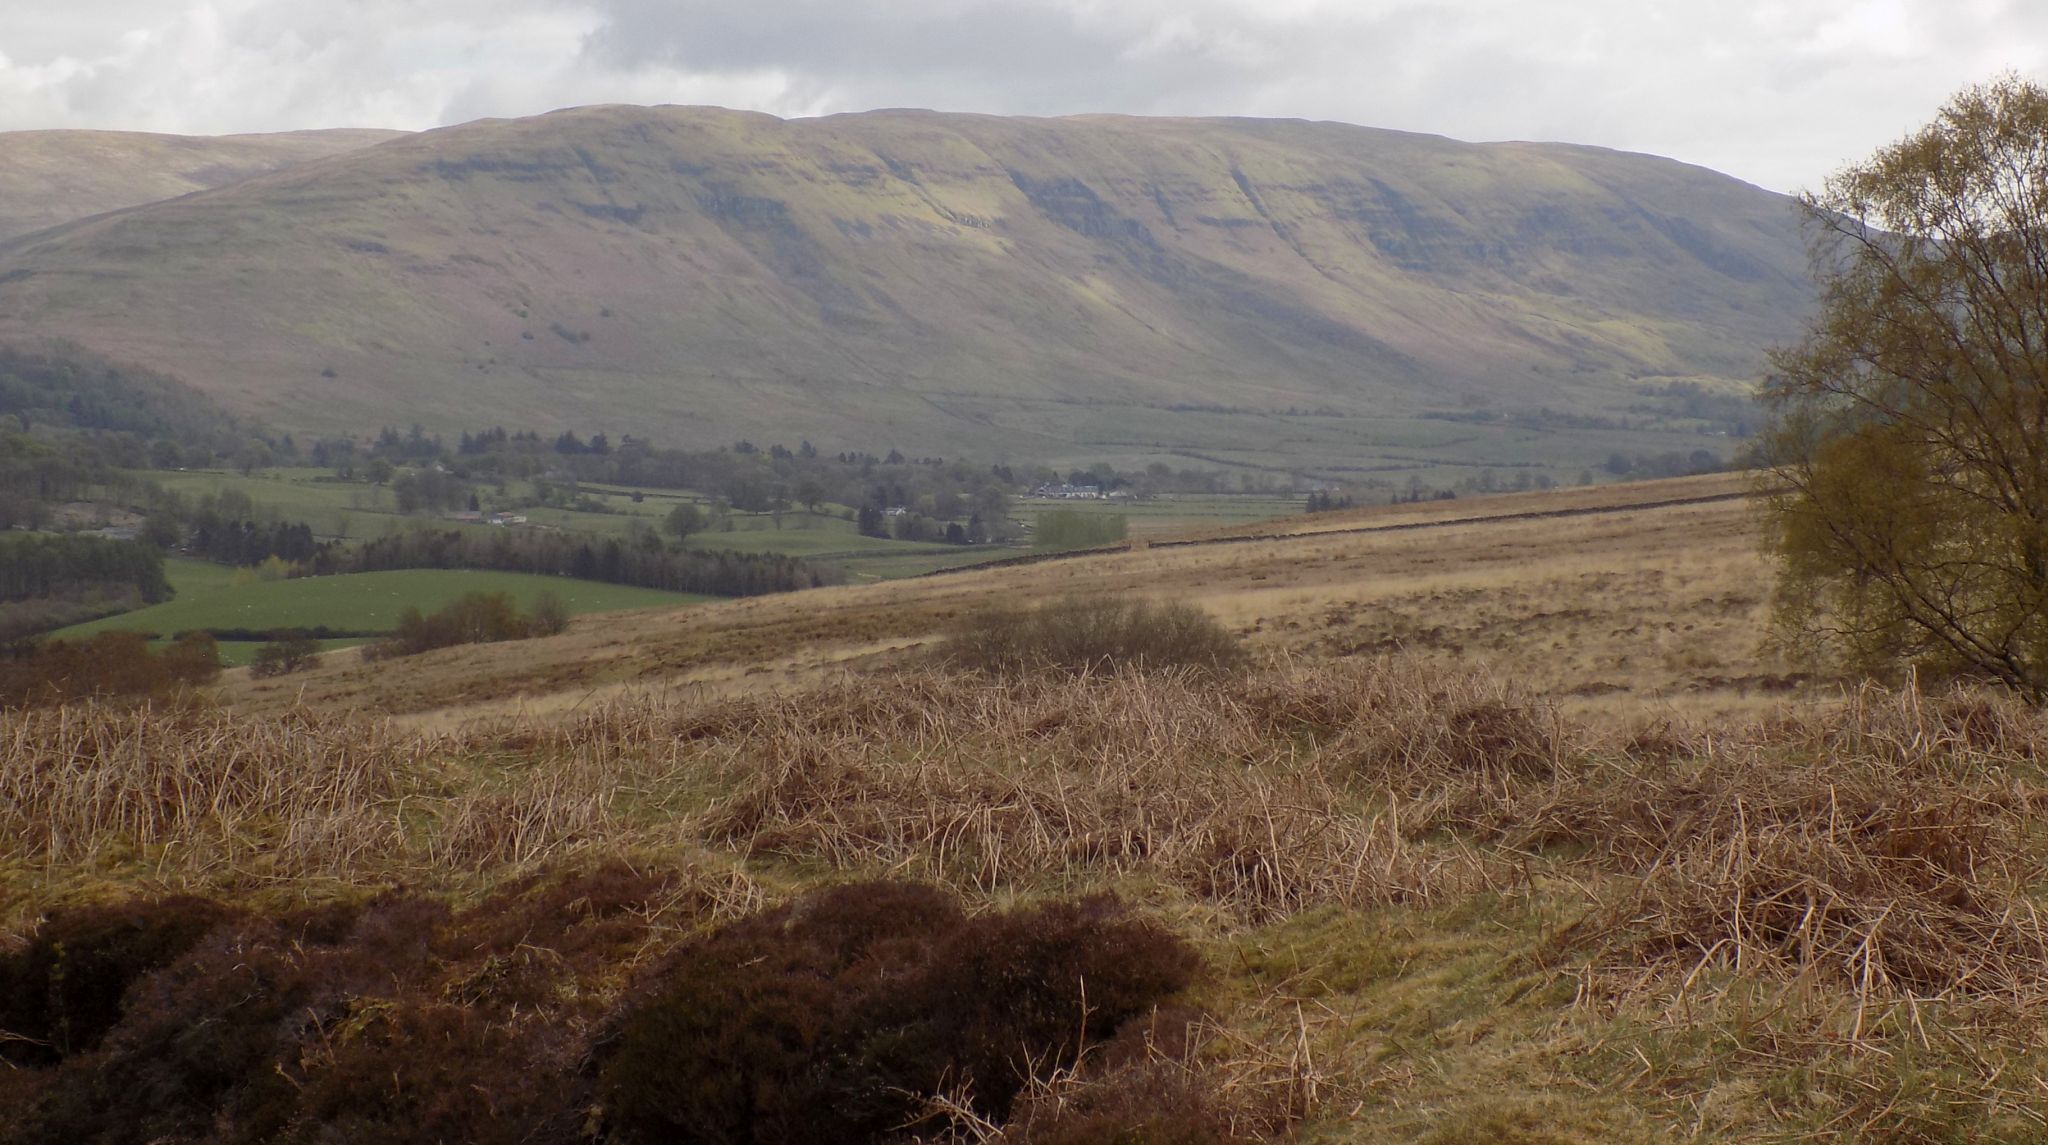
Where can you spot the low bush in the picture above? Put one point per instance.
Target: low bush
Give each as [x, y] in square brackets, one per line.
[473, 618]
[382, 1022]
[287, 653]
[108, 664]
[62, 993]
[1094, 634]
[548, 615]
[841, 1016]
[844, 1016]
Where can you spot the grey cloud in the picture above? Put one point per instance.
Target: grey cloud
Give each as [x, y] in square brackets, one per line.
[1015, 56]
[1777, 91]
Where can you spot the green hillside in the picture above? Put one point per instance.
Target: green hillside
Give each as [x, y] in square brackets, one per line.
[1088, 287]
[48, 178]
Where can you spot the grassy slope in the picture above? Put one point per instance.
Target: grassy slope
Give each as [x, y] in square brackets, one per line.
[1088, 287]
[48, 178]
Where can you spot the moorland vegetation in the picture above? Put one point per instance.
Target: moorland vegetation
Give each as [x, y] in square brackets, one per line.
[1430, 823]
[1365, 893]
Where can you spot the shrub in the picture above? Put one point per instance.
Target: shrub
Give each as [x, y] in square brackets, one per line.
[548, 615]
[63, 992]
[834, 1018]
[289, 652]
[473, 618]
[1094, 634]
[105, 664]
[335, 1023]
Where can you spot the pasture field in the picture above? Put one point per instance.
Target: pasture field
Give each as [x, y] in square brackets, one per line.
[354, 602]
[1516, 829]
[1172, 514]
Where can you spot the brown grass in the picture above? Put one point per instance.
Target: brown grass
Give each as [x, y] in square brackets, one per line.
[296, 796]
[1889, 845]
[997, 786]
[1492, 892]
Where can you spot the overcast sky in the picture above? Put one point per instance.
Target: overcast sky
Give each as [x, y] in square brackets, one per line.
[1779, 92]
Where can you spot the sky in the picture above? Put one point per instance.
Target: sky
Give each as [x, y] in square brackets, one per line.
[1777, 92]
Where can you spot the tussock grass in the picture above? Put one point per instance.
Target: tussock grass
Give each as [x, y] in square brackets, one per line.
[1005, 785]
[1888, 845]
[300, 795]
[986, 784]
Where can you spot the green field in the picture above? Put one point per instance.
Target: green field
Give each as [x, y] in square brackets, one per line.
[357, 511]
[1175, 512]
[209, 597]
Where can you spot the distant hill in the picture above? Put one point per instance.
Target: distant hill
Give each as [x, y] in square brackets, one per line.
[48, 178]
[1247, 290]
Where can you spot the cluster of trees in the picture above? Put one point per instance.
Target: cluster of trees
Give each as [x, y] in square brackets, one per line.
[43, 470]
[110, 664]
[1734, 414]
[906, 525]
[65, 386]
[242, 543]
[45, 564]
[50, 580]
[941, 501]
[108, 413]
[431, 489]
[741, 478]
[475, 618]
[643, 564]
[1324, 501]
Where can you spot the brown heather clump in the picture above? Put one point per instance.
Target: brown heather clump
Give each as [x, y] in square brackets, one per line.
[841, 1015]
[558, 1011]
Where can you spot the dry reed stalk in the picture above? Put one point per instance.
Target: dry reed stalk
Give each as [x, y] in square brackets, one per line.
[1885, 845]
[985, 784]
[1254, 1080]
[299, 795]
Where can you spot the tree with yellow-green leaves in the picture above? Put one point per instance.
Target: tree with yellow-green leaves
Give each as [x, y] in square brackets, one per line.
[1908, 444]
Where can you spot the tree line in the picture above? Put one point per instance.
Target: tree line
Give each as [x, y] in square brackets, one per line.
[643, 565]
[51, 564]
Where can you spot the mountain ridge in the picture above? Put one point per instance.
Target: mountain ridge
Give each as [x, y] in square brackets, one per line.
[979, 280]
